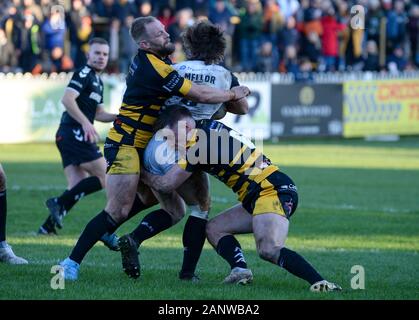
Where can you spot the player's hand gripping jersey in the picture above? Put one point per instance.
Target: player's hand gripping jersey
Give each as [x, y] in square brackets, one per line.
[212, 75]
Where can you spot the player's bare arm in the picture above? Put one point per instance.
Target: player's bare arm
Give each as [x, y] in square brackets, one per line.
[70, 104]
[103, 116]
[240, 106]
[166, 183]
[207, 94]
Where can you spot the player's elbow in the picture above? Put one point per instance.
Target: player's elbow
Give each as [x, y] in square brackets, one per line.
[243, 109]
[239, 107]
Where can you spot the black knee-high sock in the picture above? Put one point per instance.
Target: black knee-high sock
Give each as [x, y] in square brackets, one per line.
[298, 266]
[152, 224]
[3, 214]
[85, 187]
[229, 248]
[193, 242]
[94, 230]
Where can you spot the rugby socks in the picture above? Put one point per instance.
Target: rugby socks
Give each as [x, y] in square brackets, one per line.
[3, 213]
[152, 224]
[85, 187]
[97, 227]
[193, 242]
[229, 248]
[94, 230]
[298, 266]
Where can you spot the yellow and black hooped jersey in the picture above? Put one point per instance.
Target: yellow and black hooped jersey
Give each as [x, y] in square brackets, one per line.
[150, 82]
[227, 155]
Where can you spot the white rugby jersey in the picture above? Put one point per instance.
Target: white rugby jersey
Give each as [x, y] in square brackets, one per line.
[212, 75]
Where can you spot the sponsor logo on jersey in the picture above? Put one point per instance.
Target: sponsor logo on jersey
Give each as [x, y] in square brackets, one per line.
[76, 83]
[95, 96]
[84, 72]
[198, 78]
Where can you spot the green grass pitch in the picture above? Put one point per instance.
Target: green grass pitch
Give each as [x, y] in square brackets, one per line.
[359, 205]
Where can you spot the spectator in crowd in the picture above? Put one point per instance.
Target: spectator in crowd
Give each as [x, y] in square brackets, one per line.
[54, 30]
[30, 43]
[8, 59]
[413, 27]
[374, 21]
[265, 59]
[166, 16]
[184, 18]
[396, 61]
[330, 41]
[32, 6]
[306, 71]
[288, 7]
[371, 62]
[290, 62]
[222, 16]
[273, 20]
[395, 23]
[288, 36]
[250, 28]
[12, 24]
[80, 31]
[312, 32]
[128, 48]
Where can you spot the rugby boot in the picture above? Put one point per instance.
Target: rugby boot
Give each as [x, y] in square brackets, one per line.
[129, 255]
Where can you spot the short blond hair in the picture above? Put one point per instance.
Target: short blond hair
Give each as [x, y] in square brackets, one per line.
[137, 30]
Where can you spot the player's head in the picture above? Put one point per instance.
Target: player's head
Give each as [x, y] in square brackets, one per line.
[98, 54]
[204, 41]
[179, 120]
[150, 35]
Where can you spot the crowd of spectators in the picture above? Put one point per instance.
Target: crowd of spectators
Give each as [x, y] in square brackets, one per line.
[295, 36]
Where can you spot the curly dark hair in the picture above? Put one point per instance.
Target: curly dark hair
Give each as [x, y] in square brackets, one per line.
[204, 41]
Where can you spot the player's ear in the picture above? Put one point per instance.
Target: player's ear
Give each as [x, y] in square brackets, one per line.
[143, 44]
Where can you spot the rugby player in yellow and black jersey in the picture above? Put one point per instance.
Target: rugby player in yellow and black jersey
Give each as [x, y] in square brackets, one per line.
[151, 80]
[267, 196]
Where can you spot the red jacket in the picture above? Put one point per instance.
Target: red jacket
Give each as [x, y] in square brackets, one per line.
[330, 42]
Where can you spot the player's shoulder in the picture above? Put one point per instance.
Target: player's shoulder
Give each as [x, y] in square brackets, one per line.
[198, 64]
[84, 72]
[162, 67]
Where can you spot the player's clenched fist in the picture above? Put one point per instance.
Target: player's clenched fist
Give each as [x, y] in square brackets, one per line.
[240, 92]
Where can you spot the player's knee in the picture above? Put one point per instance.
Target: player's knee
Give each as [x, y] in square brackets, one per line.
[176, 214]
[269, 253]
[121, 214]
[212, 231]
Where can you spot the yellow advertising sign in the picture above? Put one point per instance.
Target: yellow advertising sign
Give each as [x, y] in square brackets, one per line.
[381, 107]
